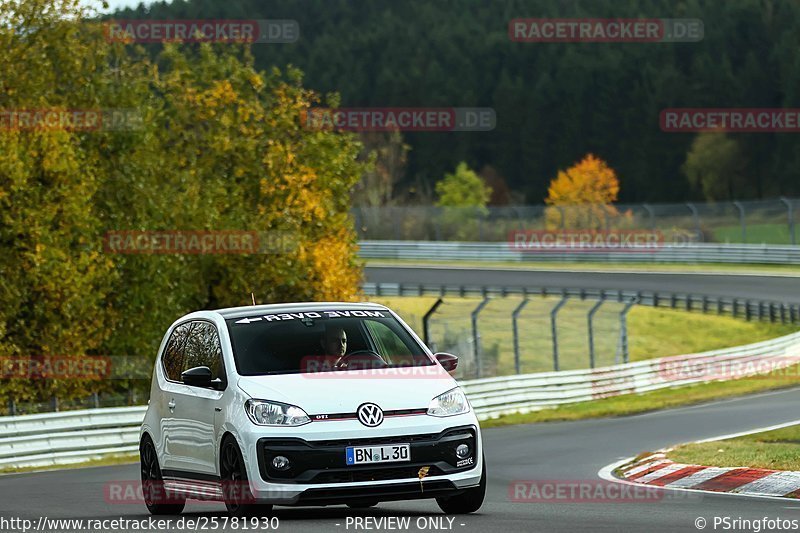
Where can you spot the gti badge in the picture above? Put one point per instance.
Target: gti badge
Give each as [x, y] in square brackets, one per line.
[370, 415]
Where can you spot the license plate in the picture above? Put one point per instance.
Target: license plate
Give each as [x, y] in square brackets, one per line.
[361, 455]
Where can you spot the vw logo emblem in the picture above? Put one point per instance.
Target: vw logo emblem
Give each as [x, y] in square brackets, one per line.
[370, 415]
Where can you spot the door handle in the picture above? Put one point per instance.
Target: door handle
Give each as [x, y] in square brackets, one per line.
[218, 409]
[171, 405]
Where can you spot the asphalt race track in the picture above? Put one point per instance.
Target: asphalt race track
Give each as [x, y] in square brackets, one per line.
[776, 288]
[553, 454]
[559, 452]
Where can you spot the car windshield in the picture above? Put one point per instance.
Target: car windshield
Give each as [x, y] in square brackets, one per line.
[322, 341]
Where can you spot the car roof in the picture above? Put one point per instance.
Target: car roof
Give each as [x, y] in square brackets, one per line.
[250, 310]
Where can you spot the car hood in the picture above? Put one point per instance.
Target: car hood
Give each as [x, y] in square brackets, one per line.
[343, 392]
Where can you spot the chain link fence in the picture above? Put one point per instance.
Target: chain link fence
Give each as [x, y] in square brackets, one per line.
[755, 222]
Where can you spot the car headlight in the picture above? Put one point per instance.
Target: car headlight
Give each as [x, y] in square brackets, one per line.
[266, 413]
[452, 402]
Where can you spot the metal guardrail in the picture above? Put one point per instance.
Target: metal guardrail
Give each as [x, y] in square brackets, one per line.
[68, 437]
[492, 397]
[503, 251]
[786, 313]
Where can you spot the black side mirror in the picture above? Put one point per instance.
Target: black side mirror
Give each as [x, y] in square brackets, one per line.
[448, 361]
[199, 376]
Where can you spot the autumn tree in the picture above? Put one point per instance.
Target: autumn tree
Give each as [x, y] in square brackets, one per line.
[463, 196]
[220, 146]
[715, 166]
[582, 195]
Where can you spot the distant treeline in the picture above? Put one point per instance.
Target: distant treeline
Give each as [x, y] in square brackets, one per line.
[554, 102]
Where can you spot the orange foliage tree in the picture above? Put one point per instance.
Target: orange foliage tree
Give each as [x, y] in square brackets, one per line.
[581, 196]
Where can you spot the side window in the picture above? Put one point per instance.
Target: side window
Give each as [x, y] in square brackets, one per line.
[174, 354]
[203, 348]
[389, 344]
[193, 344]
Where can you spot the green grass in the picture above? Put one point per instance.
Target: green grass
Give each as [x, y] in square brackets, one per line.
[605, 267]
[778, 449]
[652, 401]
[120, 459]
[652, 332]
[756, 234]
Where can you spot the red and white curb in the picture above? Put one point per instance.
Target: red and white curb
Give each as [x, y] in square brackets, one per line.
[655, 470]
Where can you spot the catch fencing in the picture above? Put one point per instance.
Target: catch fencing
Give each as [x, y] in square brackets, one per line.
[761, 221]
[505, 252]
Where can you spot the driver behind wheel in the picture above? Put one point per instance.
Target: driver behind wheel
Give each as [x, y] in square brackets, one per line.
[334, 341]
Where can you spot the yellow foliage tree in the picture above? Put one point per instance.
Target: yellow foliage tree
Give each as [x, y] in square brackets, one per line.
[582, 195]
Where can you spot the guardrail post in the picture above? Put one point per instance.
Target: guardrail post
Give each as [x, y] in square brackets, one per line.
[554, 329]
[748, 314]
[651, 214]
[563, 217]
[426, 319]
[790, 210]
[696, 218]
[397, 225]
[742, 221]
[12, 407]
[590, 323]
[623, 330]
[476, 338]
[514, 317]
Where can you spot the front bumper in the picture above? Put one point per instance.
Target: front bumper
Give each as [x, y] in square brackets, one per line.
[320, 476]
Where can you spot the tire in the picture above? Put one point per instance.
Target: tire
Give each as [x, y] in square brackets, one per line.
[235, 491]
[363, 505]
[158, 502]
[468, 501]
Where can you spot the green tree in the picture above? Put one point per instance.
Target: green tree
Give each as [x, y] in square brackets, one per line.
[220, 146]
[463, 196]
[715, 166]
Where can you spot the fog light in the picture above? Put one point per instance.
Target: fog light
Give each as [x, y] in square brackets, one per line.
[280, 463]
[463, 451]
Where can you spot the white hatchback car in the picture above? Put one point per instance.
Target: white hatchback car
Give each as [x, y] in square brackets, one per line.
[306, 404]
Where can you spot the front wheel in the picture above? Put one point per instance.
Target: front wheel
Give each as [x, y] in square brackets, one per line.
[468, 501]
[235, 489]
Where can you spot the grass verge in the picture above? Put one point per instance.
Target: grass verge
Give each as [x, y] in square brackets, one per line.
[704, 268]
[778, 450]
[653, 332]
[120, 459]
[661, 399]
